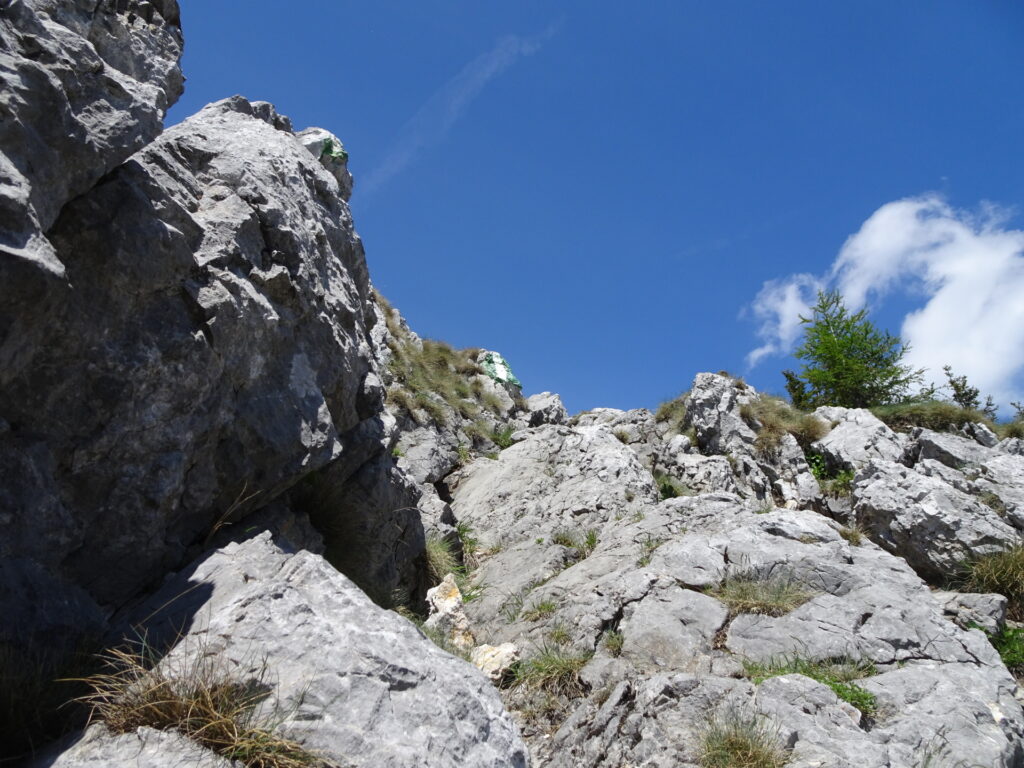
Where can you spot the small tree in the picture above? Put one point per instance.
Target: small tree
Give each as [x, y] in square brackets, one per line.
[967, 396]
[847, 361]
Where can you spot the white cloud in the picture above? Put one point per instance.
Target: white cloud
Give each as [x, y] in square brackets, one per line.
[967, 270]
[438, 114]
[778, 308]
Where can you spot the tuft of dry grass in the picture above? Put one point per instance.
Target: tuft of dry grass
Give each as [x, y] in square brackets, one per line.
[773, 418]
[199, 699]
[734, 739]
[751, 591]
[674, 413]
[937, 415]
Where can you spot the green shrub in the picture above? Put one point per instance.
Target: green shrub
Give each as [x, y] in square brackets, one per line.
[1001, 572]
[1009, 642]
[669, 487]
[937, 415]
[555, 670]
[752, 591]
[837, 674]
[736, 740]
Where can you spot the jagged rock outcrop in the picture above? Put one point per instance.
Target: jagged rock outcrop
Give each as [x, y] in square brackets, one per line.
[213, 351]
[928, 522]
[85, 84]
[650, 577]
[857, 436]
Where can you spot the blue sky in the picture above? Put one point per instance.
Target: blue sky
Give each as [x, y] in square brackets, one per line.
[601, 191]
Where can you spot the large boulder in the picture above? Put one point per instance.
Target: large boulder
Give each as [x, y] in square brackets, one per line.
[352, 683]
[210, 348]
[857, 436]
[925, 520]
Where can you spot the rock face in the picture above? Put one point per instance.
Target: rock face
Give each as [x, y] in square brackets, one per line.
[228, 278]
[85, 84]
[351, 682]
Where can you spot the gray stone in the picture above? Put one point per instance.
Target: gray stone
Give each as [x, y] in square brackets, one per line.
[214, 273]
[952, 450]
[979, 433]
[857, 437]
[1012, 445]
[144, 748]
[347, 677]
[546, 408]
[967, 609]
[85, 85]
[926, 521]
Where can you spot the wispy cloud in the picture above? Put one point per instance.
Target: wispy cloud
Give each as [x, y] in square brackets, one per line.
[435, 118]
[965, 268]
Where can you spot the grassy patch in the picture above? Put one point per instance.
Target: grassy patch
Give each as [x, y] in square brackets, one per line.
[1003, 573]
[583, 544]
[503, 437]
[1012, 429]
[559, 634]
[853, 534]
[669, 487]
[773, 418]
[622, 436]
[736, 740]
[540, 610]
[673, 413]
[555, 670]
[936, 415]
[1009, 642]
[832, 482]
[752, 592]
[613, 641]
[993, 502]
[202, 699]
[441, 559]
[837, 674]
[647, 548]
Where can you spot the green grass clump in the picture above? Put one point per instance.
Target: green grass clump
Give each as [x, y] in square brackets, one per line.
[648, 547]
[209, 702]
[613, 642]
[559, 634]
[673, 413]
[1002, 573]
[1009, 642]
[937, 415]
[837, 674]
[441, 559]
[736, 740]
[669, 487]
[540, 610]
[753, 592]
[583, 544]
[853, 534]
[503, 437]
[773, 418]
[1012, 429]
[555, 670]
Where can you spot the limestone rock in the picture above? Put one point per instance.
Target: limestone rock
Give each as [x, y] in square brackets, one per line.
[86, 84]
[966, 609]
[215, 272]
[926, 521]
[546, 408]
[98, 748]
[447, 615]
[952, 450]
[348, 677]
[857, 437]
[495, 661]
